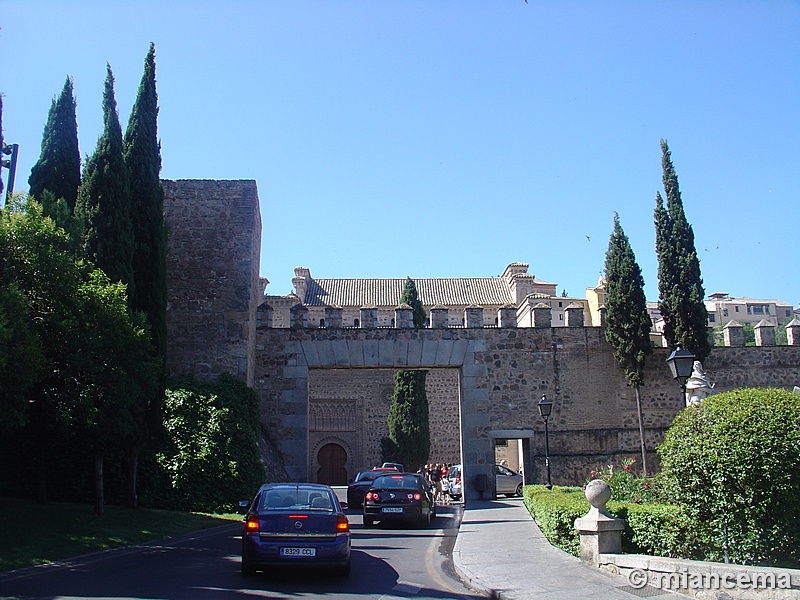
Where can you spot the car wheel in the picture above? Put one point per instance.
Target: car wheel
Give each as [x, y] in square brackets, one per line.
[369, 522]
[519, 490]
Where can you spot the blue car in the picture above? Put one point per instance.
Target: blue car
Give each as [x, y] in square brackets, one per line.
[295, 524]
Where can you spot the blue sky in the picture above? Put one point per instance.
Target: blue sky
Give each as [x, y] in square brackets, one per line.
[451, 137]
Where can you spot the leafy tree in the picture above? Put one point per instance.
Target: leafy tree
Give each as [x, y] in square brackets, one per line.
[104, 199]
[2, 145]
[409, 438]
[58, 169]
[680, 284]
[142, 154]
[627, 323]
[118, 370]
[210, 454]
[734, 462]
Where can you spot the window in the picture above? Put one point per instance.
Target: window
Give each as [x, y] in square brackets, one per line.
[561, 317]
[736, 308]
[712, 318]
[788, 313]
[500, 442]
[356, 323]
[322, 322]
[757, 310]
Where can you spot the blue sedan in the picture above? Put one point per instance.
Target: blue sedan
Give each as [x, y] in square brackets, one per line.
[295, 524]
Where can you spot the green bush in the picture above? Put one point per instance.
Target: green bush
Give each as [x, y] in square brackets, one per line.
[655, 529]
[734, 463]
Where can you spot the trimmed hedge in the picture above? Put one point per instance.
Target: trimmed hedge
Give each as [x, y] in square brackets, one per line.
[654, 529]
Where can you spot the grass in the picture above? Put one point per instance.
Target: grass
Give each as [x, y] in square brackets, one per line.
[33, 534]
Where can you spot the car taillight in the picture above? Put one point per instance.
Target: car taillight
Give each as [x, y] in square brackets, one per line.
[252, 524]
[372, 496]
[417, 496]
[342, 524]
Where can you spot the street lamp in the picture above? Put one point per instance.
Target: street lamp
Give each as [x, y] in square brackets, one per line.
[680, 364]
[545, 408]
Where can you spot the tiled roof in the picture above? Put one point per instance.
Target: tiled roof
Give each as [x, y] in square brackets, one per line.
[483, 291]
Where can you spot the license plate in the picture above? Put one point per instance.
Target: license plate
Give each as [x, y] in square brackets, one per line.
[392, 509]
[301, 552]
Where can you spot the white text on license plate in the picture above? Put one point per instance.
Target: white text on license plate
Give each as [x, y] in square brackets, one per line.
[301, 552]
[392, 509]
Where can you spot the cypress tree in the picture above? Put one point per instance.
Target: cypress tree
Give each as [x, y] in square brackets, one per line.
[143, 161]
[682, 291]
[627, 323]
[58, 169]
[142, 153]
[409, 440]
[103, 203]
[410, 297]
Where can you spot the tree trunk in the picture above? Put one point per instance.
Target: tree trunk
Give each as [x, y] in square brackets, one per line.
[641, 430]
[99, 496]
[133, 466]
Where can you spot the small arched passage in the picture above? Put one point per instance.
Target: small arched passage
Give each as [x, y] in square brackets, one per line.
[332, 459]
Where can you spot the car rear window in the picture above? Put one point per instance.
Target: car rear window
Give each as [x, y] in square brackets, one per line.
[296, 499]
[395, 482]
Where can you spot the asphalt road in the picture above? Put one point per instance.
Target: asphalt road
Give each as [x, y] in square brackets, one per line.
[388, 562]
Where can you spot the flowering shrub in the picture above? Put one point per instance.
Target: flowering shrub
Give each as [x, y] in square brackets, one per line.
[627, 487]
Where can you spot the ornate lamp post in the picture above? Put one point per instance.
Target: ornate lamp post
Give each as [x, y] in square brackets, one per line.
[680, 365]
[545, 407]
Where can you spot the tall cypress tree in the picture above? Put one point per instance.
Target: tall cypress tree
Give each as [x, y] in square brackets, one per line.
[58, 169]
[409, 440]
[627, 323]
[104, 199]
[143, 160]
[682, 293]
[142, 153]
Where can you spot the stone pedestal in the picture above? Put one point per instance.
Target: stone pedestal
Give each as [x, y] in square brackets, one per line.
[439, 317]
[507, 316]
[574, 315]
[264, 316]
[765, 333]
[542, 315]
[600, 532]
[733, 333]
[793, 332]
[333, 317]
[298, 316]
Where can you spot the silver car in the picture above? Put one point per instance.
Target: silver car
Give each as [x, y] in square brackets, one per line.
[508, 482]
[454, 482]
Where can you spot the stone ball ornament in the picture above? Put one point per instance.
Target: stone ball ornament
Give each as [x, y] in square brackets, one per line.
[598, 493]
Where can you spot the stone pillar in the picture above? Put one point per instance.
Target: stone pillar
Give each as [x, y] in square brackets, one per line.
[507, 316]
[793, 332]
[439, 316]
[403, 316]
[298, 317]
[264, 316]
[574, 315]
[733, 333]
[542, 315]
[473, 316]
[765, 333]
[600, 533]
[369, 317]
[602, 310]
[333, 317]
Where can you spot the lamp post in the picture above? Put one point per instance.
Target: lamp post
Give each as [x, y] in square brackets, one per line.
[545, 407]
[680, 364]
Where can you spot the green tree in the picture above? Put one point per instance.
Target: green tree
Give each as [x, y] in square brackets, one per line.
[210, 455]
[142, 154]
[409, 439]
[58, 169]
[143, 160]
[680, 285]
[627, 323]
[104, 199]
[410, 297]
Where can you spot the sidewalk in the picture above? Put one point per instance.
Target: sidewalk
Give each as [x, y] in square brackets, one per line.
[501, 552]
